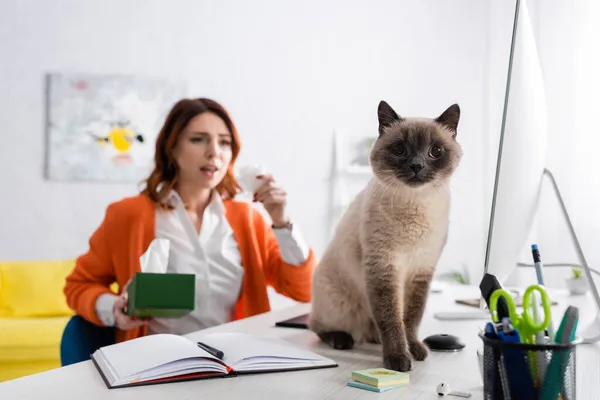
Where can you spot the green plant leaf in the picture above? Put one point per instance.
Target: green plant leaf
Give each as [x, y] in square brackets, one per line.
[457, 276]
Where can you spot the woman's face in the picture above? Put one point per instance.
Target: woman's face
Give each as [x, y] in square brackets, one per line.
[203, 151]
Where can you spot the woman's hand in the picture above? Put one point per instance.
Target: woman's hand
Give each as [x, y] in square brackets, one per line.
[122, 320]
[273, 198]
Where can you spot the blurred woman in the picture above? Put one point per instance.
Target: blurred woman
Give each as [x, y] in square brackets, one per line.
[188, 200]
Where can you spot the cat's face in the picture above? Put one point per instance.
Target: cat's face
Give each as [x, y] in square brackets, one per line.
[415, 151]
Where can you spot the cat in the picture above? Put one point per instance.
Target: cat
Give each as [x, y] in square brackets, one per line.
[372, 282]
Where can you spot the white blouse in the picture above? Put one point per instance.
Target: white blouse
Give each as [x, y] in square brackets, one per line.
[213, 256]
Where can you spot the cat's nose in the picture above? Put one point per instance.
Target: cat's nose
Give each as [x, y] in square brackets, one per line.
[416, 167]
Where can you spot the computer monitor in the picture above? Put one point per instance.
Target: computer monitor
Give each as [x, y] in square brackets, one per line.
[521, 152]
[520, 171]
[520, 159]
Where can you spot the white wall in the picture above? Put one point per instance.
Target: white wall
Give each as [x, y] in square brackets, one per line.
[289, 72]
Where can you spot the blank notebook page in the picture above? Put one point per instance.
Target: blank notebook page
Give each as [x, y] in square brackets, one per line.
[238, 347]
[135, 356]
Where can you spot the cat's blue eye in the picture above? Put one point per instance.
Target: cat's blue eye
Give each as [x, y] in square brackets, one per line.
[436, 151]
[399, 149]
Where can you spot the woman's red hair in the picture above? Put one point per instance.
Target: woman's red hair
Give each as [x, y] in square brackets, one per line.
[164, 176]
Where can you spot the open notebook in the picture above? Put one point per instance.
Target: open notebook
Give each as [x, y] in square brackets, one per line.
[164, 358]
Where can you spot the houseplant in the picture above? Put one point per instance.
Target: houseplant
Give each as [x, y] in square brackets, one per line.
[577, 284]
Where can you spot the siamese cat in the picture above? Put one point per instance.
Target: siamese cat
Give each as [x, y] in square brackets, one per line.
[373, 280]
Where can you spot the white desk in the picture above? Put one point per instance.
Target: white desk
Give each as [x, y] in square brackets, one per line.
[82, 381]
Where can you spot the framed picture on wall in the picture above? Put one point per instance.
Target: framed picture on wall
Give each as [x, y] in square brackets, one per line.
[104, 127]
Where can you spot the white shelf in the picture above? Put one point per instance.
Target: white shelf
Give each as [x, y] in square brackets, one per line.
[343, 182]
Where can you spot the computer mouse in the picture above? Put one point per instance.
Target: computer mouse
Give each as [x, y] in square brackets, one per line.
[444, 342]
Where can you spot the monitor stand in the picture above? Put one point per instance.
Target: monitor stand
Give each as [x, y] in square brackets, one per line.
[591, 333]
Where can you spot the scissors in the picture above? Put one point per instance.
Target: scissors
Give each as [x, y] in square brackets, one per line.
[527, 322]
[529, 329]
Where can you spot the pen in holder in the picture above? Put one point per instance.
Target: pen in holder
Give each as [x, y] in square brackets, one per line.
[506, 372]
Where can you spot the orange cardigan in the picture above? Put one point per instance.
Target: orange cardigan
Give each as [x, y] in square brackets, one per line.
[128, 229]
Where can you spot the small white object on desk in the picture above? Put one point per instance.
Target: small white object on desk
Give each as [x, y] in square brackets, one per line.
[443, 389]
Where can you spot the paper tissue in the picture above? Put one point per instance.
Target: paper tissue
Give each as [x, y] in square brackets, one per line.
[247, 177]
[155, 293]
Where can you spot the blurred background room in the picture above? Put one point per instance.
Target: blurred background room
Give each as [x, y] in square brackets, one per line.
[84, 87]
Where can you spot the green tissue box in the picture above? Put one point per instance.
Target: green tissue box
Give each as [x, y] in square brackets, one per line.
[161, 295]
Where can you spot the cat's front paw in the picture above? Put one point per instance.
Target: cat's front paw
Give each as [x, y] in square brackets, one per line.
[418, 350]
[397, 361]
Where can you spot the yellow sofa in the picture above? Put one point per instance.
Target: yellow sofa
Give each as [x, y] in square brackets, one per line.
[33, 315]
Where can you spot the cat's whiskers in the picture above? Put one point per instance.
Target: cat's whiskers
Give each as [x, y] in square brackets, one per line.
[397, 185]
[377, 186]
[380, 184]
[390, 181]
[387, 173]
[440, 184]
[387, 182]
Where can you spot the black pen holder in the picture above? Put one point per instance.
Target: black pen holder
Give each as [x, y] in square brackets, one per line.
[520, 371]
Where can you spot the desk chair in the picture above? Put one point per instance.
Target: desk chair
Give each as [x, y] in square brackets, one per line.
[81, 338]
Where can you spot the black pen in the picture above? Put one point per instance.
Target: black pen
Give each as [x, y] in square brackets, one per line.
[217, 353]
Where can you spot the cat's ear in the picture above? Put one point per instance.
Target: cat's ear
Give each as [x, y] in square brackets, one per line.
[387, 116]
[449, 118]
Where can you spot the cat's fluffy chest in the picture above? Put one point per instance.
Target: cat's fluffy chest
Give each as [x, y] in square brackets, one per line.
[411, 229]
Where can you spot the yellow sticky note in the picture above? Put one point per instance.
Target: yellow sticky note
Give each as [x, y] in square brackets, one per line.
[380, 377]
